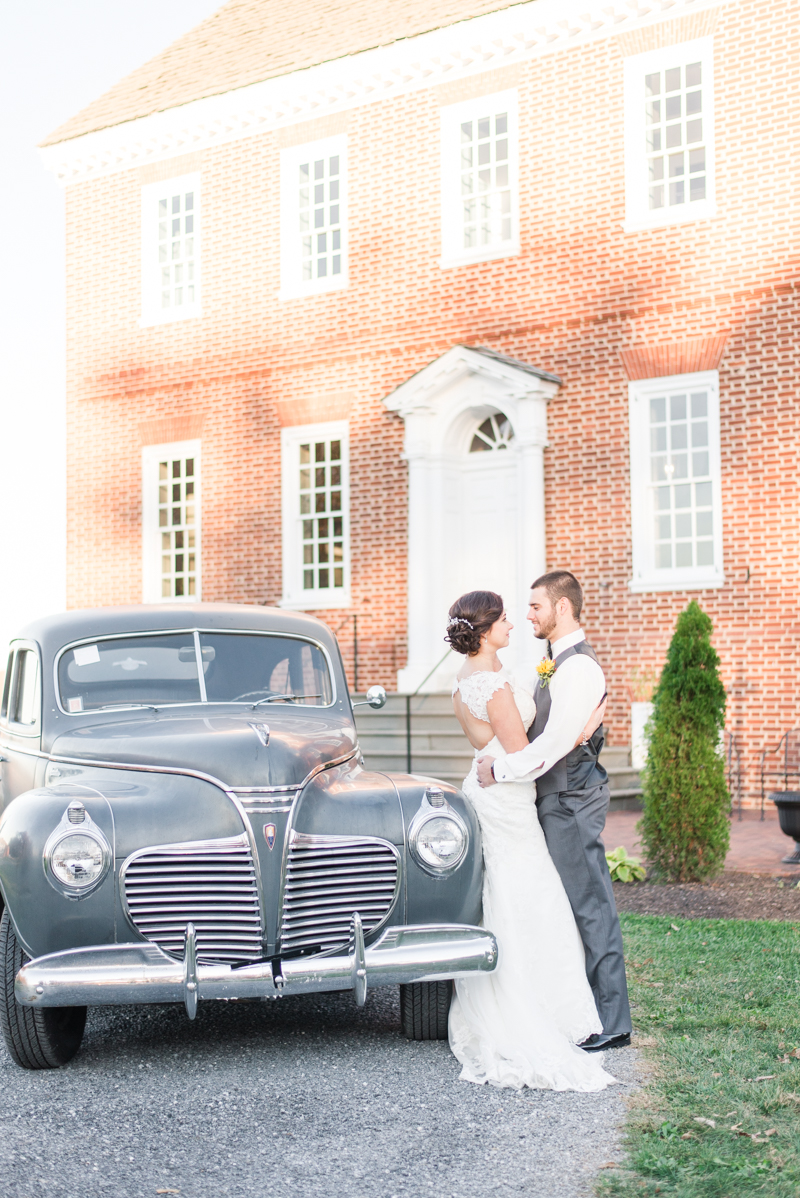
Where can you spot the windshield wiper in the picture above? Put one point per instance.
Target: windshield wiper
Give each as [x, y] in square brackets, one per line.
[122, 706]
[286, 699]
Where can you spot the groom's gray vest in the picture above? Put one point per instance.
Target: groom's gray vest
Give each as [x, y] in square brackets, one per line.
[580, 769]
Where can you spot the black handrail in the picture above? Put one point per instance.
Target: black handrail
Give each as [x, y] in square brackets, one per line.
[413, 695]
[786, 773]
[733, 769]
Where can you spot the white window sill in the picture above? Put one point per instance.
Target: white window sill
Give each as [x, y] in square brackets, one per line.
[487, 253]
[676, 582]
[170, 315]
[665, 217]
[310, 290]
[314, 601]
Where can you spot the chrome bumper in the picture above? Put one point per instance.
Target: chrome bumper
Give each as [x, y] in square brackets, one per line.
[141, 973]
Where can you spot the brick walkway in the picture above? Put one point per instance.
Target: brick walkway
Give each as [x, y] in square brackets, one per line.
[756, 847]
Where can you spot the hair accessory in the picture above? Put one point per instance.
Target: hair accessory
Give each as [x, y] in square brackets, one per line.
[459, 620]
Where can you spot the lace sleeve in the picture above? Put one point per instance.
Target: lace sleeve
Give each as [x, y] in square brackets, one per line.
[477, 690]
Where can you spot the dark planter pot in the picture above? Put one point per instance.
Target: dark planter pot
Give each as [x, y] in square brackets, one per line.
[788, 804]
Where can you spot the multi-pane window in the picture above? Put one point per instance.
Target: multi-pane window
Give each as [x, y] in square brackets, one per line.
[171, 521]
[675, 481]
[320, 488]
[680, 476]
[176, 241]
[177, 522]
[669, 135]
[319, 195]
[315, 516]
[479, 179]
[314, 218]
[676, 155]
[171, 220]
[485, 182]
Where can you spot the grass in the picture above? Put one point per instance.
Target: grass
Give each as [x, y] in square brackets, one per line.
[717, 1012]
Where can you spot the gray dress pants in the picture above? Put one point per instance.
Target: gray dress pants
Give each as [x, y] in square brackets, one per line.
[573, 823]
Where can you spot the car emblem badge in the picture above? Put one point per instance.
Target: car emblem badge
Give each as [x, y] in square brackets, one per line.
[269, 835]
[261, 731]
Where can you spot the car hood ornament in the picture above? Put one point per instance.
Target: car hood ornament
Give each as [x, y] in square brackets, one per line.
[261, 731]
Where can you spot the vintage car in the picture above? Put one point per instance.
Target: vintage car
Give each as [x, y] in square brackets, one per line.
[186, 816]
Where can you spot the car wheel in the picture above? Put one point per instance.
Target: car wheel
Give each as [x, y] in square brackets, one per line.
[424, 1009]
[37, 1038]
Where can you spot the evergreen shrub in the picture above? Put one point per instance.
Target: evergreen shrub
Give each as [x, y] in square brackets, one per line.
[684, 826]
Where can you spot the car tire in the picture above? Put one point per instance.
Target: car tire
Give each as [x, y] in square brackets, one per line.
[424, 1009]
[36, 1038]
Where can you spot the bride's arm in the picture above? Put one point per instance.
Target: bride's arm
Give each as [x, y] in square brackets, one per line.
[506, 721]
[593, 723]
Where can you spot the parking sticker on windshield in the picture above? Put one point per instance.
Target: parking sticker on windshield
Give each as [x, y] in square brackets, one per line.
[75, 704]
[87, 655]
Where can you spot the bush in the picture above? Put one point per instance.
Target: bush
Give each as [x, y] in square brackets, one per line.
[685, 823]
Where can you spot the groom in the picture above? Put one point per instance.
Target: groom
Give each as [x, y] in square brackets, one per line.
[572, 792]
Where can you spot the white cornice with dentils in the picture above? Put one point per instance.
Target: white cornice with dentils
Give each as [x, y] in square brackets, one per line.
[512, 35]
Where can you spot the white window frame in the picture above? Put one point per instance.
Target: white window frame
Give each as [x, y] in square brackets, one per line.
[453, 251]
[292, 284]
[646, 577]
[294, 597]
[152, 311]
[151, 533]
[637, 213]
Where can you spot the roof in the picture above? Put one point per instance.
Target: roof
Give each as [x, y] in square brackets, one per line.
[506, 361]
[248, 41]
[52, 632]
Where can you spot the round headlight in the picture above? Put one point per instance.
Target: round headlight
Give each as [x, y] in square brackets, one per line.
[77, 861]
[77, 855]
[440, 842]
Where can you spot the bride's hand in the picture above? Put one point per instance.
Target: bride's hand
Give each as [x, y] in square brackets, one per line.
[593, 723]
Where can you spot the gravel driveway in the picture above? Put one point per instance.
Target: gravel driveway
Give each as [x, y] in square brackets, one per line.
[303, 1096]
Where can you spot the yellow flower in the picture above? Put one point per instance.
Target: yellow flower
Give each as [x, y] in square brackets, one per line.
[545, 669]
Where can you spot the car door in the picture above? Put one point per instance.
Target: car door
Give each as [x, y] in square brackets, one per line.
[21, 722]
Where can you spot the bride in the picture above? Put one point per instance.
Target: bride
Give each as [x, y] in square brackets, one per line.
[521, 1025]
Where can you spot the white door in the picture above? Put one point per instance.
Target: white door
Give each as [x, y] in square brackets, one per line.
[483, 503]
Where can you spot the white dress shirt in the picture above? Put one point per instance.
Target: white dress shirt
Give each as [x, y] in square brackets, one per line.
[576, 689]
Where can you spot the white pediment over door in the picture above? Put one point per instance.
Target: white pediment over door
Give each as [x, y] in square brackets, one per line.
[475, 431]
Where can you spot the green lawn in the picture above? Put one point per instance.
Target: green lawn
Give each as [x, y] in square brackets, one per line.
[717, 1013]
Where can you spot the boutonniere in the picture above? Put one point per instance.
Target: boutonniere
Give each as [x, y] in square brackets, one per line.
[545, 669]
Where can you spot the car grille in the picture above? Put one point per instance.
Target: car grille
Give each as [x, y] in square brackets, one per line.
[210, 883]
[327, 879]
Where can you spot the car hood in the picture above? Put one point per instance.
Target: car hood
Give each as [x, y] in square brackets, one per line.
[228, 747]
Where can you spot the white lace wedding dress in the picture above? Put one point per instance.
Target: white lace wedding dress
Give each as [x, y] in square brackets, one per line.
[520, 1025]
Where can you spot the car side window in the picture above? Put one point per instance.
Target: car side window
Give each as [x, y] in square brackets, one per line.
[25, 688]
[7, 686]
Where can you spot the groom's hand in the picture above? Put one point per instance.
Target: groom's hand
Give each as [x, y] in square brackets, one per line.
[485, 775]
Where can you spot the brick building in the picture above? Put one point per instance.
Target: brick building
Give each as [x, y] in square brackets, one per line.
[371, 303]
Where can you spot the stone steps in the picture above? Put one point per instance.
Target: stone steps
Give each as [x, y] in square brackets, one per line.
[439, 748]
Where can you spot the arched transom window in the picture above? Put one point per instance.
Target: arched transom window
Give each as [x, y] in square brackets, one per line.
[495, 433]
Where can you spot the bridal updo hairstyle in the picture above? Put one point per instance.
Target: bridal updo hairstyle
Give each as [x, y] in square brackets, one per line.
[470, 617]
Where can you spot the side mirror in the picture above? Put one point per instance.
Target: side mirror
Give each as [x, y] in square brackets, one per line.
[375, 697]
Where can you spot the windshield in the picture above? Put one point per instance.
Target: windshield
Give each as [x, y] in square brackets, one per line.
[154, 670]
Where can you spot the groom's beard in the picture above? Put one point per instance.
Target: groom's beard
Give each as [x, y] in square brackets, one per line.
[544, 630]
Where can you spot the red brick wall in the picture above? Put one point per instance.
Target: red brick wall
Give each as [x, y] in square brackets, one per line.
[581, 294]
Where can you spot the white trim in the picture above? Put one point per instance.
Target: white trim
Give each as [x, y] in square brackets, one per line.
[637, 214]
[294, 597]
[151, 533]
[292, 285]
[152, 311]
[645, 575]
[453, 252]
[442, 405]
[517, 34]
